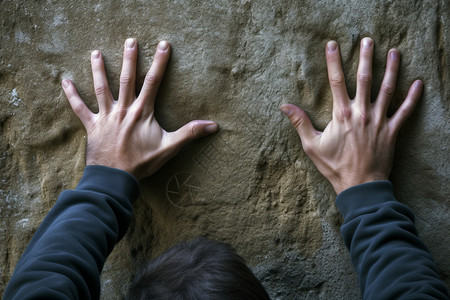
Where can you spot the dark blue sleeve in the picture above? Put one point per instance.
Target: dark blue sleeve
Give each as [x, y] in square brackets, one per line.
[66, 255]
[390, 259]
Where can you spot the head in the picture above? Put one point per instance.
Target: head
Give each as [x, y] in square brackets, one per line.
[200, 269]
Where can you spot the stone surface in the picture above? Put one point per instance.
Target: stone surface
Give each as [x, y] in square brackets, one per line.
[251, 184]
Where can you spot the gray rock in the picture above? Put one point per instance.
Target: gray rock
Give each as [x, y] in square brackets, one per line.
[251, 184]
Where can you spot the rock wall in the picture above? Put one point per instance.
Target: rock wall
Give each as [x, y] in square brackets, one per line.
[234, 62]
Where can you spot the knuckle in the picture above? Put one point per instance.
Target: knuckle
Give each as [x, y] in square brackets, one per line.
[405, 110]
[124, 80]
[100, 89]
[387, 89]
[364, 78]
[193, 131]
[121, 112]
[344, 113]
[297, 122]
[152, 79]
[78, 109]
[337, 79]
[364, 118]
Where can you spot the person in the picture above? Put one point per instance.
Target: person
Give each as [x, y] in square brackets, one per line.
[125, 144]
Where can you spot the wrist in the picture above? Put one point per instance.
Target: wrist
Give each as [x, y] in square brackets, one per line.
[98, 156]
[351, 181]
[349, 201]
[111, 166]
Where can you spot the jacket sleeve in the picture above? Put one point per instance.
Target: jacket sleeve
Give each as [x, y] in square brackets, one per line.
[67, 253]
[390, 259]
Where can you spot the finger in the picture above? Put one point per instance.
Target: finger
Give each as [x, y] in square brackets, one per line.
[388, 85]
[364, 74]
[407, 107]
[336, 77]
[192, 131]
[155, 74]
[77, 104]
[101, 88]
[128, 74]
[300, 120]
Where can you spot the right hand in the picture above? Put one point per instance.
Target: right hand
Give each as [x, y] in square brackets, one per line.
[358, 144]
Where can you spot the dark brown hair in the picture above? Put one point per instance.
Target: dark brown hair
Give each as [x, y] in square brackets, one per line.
[200, 269]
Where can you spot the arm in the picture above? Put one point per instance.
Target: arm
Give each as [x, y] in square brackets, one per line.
[391, 260]
[66, 254]
[355, 153]
[125, 143]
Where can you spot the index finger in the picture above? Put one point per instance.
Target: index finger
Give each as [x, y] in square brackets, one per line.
[336, 77]
[155, 74]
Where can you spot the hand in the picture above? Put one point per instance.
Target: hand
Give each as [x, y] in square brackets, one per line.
[124, 134]
[358, 144]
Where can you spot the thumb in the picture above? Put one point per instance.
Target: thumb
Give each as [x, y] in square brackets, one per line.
[300, 120]
[77, 104]
[194, 130]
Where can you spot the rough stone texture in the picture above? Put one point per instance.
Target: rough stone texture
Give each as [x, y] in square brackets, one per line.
[251, 184]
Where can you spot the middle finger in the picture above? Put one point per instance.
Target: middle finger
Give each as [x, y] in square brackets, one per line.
[128, 75]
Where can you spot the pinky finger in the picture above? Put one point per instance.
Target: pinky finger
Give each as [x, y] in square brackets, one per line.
[77, 104]
[405, 110]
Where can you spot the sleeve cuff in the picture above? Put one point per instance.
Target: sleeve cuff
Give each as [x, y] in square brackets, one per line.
[364, 195]
[109, 181]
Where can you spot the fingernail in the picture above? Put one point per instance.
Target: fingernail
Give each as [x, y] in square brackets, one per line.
[393, 54]
[65, 83]
[163, 45]
[367, 42]
[286, 110]
[211, 128]
[95, 54]
[418, 84]
[332, 46]
[130, 43]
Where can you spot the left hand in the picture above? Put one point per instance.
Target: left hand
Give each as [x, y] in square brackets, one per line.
[124, 134]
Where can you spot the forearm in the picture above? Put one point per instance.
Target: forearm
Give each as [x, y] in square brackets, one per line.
[389, 257]
[66, 255]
